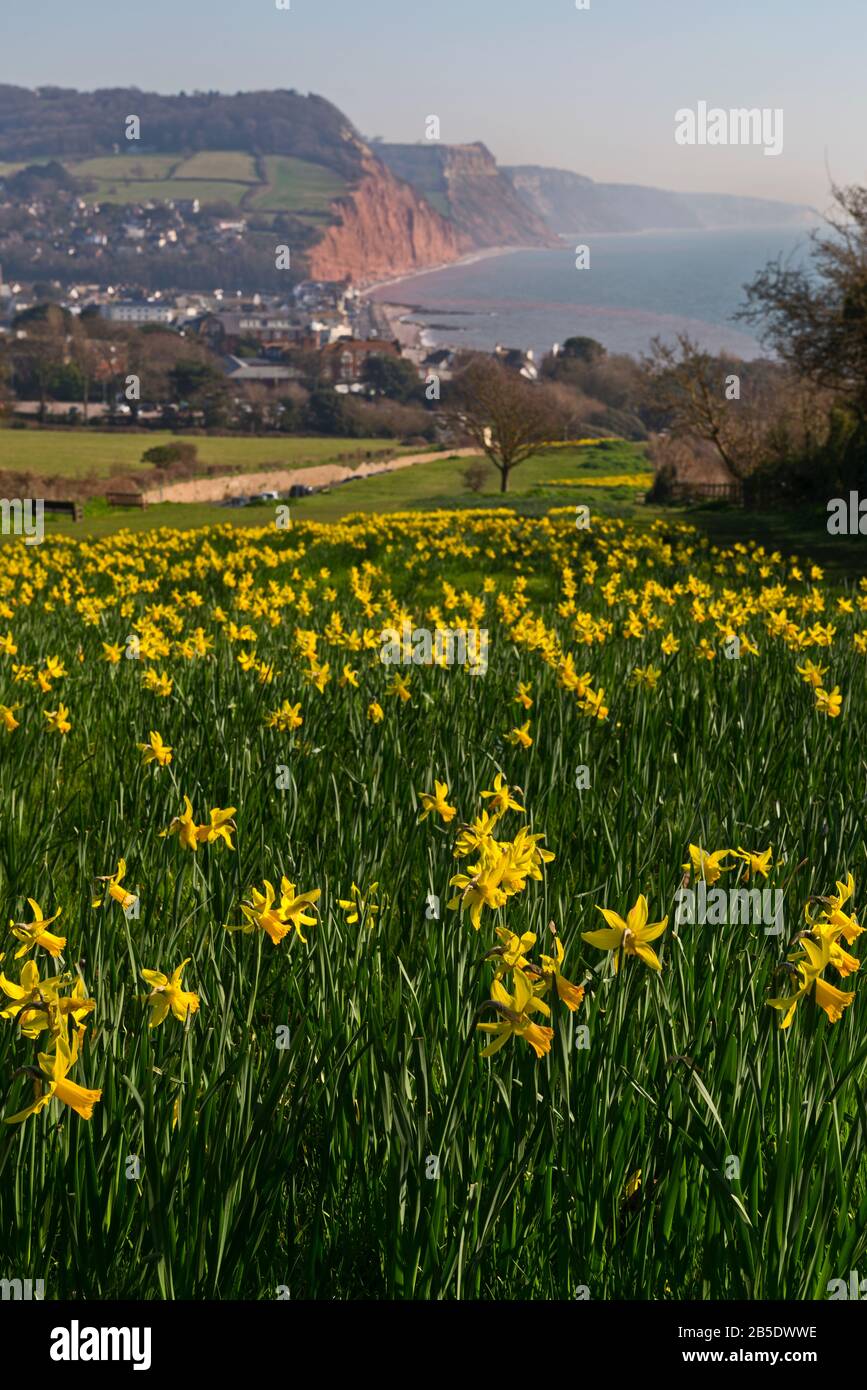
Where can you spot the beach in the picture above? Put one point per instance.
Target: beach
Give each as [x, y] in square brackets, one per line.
[414, 340]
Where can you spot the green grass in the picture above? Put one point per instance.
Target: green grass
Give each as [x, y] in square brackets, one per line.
[233, 165]
[285, 1133]
[163, 190]
[125, 167]
[296, 185]
[212, 176]
[439, 484]
[76, 453]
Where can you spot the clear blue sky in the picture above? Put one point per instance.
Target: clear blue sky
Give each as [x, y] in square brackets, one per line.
[537, 80]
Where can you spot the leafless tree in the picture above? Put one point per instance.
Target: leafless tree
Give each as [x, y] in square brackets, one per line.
[502, 413]
[815, 317]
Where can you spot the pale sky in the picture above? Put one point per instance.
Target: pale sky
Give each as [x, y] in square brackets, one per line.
[539, 81]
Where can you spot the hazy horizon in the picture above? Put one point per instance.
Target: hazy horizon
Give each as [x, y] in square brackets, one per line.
[592, 91]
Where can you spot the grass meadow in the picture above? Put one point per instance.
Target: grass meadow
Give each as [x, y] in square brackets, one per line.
[213, 176]
[198, 733]
[74, 453]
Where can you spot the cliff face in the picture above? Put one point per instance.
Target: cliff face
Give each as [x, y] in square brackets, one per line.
[572, 205]
[465, 183]
[382, 228]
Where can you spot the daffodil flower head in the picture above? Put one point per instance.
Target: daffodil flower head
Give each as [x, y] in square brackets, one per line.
[167, 992]
[36, 933]
[631, 937]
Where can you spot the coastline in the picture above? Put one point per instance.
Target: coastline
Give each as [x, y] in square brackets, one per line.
[412, 336]
[470, 259]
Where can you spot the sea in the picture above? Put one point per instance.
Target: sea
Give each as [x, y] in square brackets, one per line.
[638, 285]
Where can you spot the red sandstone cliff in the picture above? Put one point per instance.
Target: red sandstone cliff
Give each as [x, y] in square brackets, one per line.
[384, 228]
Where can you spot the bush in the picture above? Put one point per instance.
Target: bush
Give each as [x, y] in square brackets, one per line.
[164, 455]
[476, 475]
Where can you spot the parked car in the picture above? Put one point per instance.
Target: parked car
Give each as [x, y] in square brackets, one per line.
[237, 502]
[266, 497]
[300, 490]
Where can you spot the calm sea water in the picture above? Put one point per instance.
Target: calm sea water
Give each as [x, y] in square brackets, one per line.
[638, 285]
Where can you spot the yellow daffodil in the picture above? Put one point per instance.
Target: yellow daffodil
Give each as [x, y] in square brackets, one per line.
[436, 801]
[399, 686]
[514, 1017]
[502, 797]
[155, 751]
[811, 674]
[360, 905]
[480, 887]
[571, 995]
[646, 676]
[707, 866]
[807, 967]
[120, 895]
[219, 827]
[192, 835]
[277, 918]
[512, 951]
[286, 718]
[829, 702]
[520, 737]
[7, 718]
[38, 1004]
[757, 861]
[167, 992]
[36, 933]
[55, 1066]
[631, 937]
[58, 719]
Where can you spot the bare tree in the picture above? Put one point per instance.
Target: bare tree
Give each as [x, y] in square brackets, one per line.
[689, 384]
[502, 414]
[815, 318]
[755, 415]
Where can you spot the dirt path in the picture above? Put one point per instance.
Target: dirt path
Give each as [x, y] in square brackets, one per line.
[281, 479]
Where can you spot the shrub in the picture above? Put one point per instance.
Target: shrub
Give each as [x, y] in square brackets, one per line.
[163, 455]
[476, 475]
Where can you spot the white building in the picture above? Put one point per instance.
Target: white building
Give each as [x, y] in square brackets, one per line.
[125, 311]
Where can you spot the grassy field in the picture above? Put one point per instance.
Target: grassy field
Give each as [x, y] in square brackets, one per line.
[295, 184]
[212, 176]
[218, 164]
[125, 167]
[314, 1103]
[611, 479]
[164, 190]
[75, 453]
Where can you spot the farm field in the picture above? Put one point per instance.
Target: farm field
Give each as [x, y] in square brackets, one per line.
[295, 185]
[76, 453]
[372, 978]
[213, 176]
[218, 164]
[113, 190]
